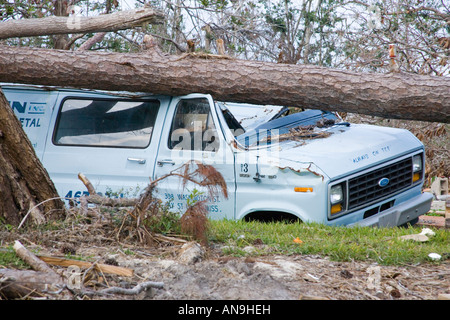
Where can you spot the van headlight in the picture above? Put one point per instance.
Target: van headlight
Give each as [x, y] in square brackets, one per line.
[337, 198]
[417, 164]
[336, 194]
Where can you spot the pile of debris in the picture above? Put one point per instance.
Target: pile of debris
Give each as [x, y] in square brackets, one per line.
[439, 215]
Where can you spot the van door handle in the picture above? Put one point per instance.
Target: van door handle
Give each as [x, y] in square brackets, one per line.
[138, 160]
[163, 162]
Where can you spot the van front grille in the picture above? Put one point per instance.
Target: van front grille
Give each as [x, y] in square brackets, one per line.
[366, 188]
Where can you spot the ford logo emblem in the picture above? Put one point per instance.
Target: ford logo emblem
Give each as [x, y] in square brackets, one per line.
[383, 182]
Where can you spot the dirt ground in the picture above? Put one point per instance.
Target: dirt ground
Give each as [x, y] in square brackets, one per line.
[289, 278]
[190, 271]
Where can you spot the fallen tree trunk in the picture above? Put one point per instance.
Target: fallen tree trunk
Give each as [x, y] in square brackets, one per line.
[24, 182]
[76, 24]
[395, 95]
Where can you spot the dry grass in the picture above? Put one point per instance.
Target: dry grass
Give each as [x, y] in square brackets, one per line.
[195, 223]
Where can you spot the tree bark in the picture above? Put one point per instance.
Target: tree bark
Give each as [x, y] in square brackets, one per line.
[57, 25]
[60, 41]
[395, 95]
[17, 284]
[24, 183]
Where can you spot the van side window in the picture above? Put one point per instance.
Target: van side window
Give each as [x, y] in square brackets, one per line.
[193, 127]
[106, 123]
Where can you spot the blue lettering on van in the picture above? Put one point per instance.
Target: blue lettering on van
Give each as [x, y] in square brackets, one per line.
[200, 197]
[33, 107]
[30, 122]
[374, 153]
[360, 158]
[36, 108]
[76, 194]
[211, 208]
[18, 106]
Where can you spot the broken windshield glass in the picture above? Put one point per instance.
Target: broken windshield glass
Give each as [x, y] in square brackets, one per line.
[309, 124]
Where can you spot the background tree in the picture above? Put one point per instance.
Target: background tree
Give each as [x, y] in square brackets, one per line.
[419, 30]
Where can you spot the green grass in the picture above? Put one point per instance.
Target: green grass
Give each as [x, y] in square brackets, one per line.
[9, 259]
[338, 243]
[381, 245]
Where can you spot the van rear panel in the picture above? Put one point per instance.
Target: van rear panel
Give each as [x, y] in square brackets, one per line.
[33, 107]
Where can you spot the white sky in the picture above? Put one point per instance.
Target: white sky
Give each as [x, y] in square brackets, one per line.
[127, 4]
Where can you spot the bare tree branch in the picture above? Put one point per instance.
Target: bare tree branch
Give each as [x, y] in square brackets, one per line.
[65, 25]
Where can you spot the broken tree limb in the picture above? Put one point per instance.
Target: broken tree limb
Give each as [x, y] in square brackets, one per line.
[394, 95]
[77, 24]
[90, 188]
[104, 201]
[111, 202]
[27, 256]
[92, 41]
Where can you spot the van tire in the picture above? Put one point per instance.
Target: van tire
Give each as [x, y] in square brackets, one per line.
[272, 216]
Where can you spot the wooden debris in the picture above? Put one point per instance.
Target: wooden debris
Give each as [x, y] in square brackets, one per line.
[105, 268]
[161, 237]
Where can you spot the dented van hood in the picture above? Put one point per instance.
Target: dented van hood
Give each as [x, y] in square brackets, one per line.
[346, 150]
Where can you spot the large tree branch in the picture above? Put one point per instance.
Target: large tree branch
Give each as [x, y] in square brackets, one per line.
[76, 24]
[395, 95]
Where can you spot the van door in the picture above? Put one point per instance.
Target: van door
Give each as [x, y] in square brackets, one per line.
[110, 140]
[192, 138]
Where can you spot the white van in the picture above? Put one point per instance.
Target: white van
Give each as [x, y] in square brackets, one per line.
[308, 165]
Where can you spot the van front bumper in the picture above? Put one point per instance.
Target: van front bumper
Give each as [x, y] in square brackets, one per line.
[401, 214]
